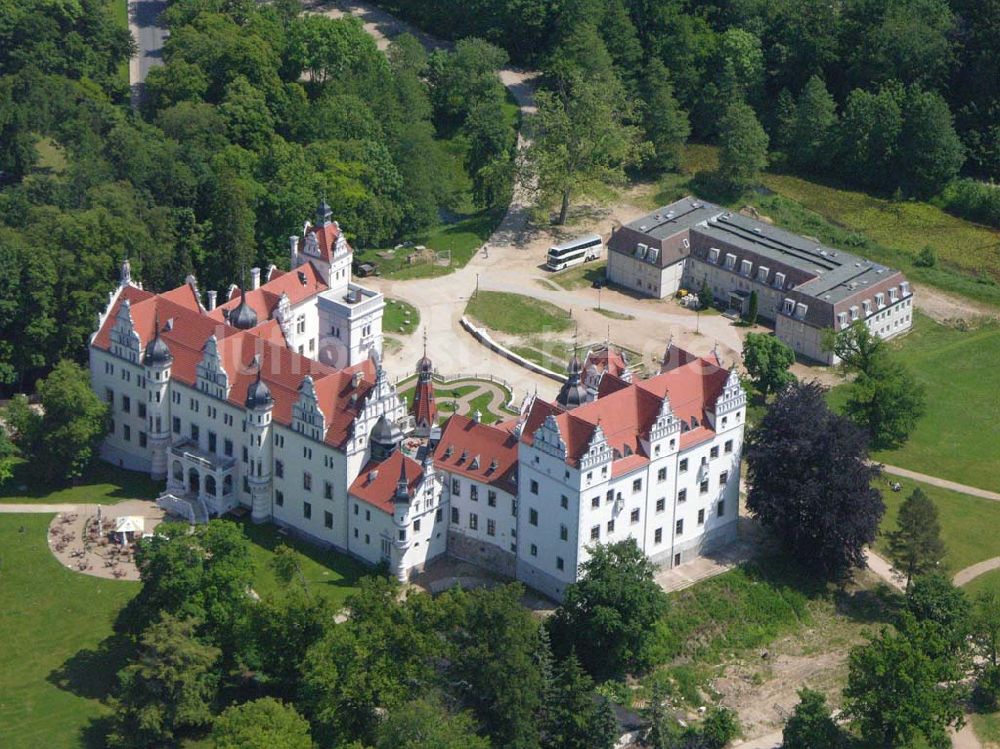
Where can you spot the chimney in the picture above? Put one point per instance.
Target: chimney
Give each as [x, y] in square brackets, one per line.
[255, 278]
[212, 296]
[293, 243]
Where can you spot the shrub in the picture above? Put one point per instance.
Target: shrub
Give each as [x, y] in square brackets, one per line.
[971, 199]
[927, 258]
[719, 727]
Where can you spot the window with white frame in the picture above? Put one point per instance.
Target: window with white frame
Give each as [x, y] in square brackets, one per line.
[788, 307]
[904, 287]
[842, 319]
[800, 310]
[746, 267]
[713, 255]
[854, 313]
[868, 307]
[779, 280]
[730, 261]
[880, 300]
[762, 273]
[894, 294]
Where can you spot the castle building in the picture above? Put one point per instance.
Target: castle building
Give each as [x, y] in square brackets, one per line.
[276, 402]
[802, 287]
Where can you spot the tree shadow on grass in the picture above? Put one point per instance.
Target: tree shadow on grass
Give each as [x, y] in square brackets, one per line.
[94, 734]
[93, 673]
[878, 605]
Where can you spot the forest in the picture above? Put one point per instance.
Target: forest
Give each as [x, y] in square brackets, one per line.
[258, 112]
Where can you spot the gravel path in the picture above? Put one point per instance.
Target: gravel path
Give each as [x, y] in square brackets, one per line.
[942, 483]
[973, 571]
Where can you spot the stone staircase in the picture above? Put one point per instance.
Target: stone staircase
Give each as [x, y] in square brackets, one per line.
[190, 508]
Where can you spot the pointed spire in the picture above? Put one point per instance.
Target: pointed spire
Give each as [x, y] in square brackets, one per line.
[403, 484]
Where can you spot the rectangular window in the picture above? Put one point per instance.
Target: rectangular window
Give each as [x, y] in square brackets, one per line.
[730, 261]
[307, 510]
[327, 490]
[723, 478]
[473, 492]
[684, 465]
[788, 307]
[328, 519]
[595, 502]
[637, 485]
[177, 425]
[595, 533]
[194, 432]
[279, 467]
[126, 404]
[437, 515]
[701, 517]
[722, 508]
[416, 525]
[611, 526]
[779, 280]
[634, 517]
[559, 563]
[703, 488]
[401, 534]
[762, 272]
[491, 527]
[127, 432]
[679, 528]
[729, 446]
[213, 442]
[714, 452]
[682, 495]
[491, 498]
[563, 501]
[661, 504]
[454, 516]
[227, 448]
[142, 410]
[456, 487]
[563, 533]
[534, 550]
[533, 516]
[534, 487]
[307, 481]
[746, 267]
[661, 475]
[658, 536]
[142, 439]
[279, 499]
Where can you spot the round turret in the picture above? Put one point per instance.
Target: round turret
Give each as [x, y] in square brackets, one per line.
[385, 438]
[573, 392]
[157, 351]
[243, 317]
[259, 394]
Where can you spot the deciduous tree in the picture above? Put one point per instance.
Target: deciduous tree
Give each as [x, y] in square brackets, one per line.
[767, 360]
[820, 502]
[810, 725]
[265, 723]
[427, 724]
[610, 613]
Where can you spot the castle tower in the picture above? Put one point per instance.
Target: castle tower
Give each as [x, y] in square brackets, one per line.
[400, 512]
[573, 392]
[157, 360]
[424, 408]
[259, 404]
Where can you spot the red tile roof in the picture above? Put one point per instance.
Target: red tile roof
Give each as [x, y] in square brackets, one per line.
[326, 238]
[282, 369]
[300, 284]
[376, 484]
[463, 441]
[626, 411]
[424, 407]
[607, 360]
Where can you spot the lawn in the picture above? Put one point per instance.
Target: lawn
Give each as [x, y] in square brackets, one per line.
[52, 624]
[613, 315]
[969, 525]
[580, 276]
[553, 355]
[516, 314]
[103, 484]
[957, 438]
[989, 581]
[325, 571]
[400, 317]
[987, 728]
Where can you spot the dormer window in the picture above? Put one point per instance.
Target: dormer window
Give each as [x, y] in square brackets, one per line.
[905, 288]
[854, 313]
[779, 280]
[800, 311]
[730, 261]
[762, 273]
[894, 294]
[842, 319]
[867, 304]
[640, 250]
[788, 307]
[745, 268]
[713, 255]
[880, 300]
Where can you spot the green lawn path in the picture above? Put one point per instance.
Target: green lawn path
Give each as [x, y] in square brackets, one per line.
[516, 314]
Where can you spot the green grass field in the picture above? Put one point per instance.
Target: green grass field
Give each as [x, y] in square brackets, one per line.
[969, 525]
[326, 572]
[400, 317]
[103, 484]
[52, 624]
[957, 438]
[986, 582]
[580, 276]
[987, 728]
[516, 314]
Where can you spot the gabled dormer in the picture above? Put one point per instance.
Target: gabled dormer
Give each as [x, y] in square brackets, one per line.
[210, 374]
[729, 404]
[666, 427]
[307, 418]
[598, 451]
[124, 340]
[548, 438]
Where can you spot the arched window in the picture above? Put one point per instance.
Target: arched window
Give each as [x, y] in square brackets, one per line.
[194, 482]
[210, 485]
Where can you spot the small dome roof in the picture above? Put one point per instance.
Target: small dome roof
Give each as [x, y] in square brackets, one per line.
[383, 432]
[259, 394]
[243, 317]
[425, 364]
[157, 350]
[572, 394]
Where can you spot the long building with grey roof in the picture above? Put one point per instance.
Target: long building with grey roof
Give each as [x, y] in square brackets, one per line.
[802, 287]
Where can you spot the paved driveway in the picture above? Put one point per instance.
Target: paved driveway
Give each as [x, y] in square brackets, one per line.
[149, 36]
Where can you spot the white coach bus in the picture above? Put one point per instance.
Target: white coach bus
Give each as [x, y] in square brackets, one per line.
[574, 252]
